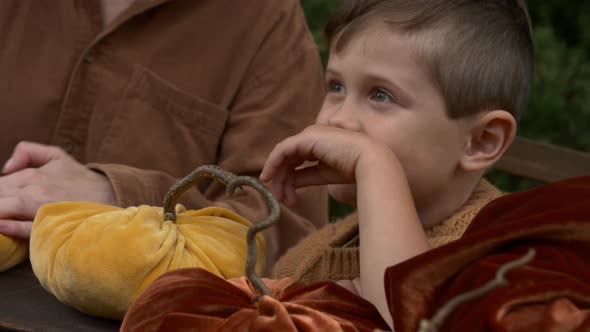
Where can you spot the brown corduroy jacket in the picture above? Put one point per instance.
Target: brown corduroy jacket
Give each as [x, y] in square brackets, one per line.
[167, 86]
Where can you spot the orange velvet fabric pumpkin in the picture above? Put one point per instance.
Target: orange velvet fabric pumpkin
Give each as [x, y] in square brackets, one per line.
[550, 293]
[12, 252]
[197, 300]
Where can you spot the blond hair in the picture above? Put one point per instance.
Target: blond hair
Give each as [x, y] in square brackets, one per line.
[479, 52]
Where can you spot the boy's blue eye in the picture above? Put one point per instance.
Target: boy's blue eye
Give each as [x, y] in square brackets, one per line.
[381, 96]
[335, 87]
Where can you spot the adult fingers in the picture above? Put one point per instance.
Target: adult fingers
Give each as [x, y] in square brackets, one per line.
[29, 154]
[17, 229]
[17, 208]
[11, 185]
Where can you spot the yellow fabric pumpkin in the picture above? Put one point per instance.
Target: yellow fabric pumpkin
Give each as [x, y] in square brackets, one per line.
[12, 252]
[98, 258]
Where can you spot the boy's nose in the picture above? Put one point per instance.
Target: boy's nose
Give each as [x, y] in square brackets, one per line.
[345, 117]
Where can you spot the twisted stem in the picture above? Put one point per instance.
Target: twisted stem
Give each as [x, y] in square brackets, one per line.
[273, 216]
[434, 324]
[205, 171]
[233, 184]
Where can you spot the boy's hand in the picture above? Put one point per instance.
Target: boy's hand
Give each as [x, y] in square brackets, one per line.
[345, 193]
[336, 151]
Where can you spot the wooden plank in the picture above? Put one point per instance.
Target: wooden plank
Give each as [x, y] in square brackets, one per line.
[544, 162]
[26, 306]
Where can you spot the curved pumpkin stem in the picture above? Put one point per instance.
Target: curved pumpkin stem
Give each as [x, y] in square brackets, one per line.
[499, 280]
[274, 212]
[205, 171]
[233, 184]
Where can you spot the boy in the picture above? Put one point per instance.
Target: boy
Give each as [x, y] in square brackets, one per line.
[422, 98]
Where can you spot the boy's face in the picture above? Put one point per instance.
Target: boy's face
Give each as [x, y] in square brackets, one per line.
[378, 86]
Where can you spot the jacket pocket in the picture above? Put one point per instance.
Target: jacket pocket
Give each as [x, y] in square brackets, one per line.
[159, 127]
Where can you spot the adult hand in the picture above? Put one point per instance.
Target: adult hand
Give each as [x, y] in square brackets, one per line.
[38, 174]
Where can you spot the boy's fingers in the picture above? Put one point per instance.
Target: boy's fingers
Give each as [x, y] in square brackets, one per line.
[291, 152]
[290, 196]
[277, 185]
[276, 159]
[267, 172]
[308, 176]
[317, 175]
[276, 162]
[280, 179]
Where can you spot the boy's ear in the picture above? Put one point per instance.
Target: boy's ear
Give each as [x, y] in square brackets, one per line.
[490, 136]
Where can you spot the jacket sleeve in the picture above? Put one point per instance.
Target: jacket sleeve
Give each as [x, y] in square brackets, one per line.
[280, 95]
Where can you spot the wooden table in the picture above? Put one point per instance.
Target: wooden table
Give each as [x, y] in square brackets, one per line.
[26, 306]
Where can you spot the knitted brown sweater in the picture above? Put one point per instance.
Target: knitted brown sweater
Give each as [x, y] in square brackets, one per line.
[321, 256]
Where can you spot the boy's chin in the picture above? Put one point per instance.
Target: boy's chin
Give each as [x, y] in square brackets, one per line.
[345, 193]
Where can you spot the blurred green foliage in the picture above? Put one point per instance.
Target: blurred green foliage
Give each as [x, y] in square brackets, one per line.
[559, 105]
